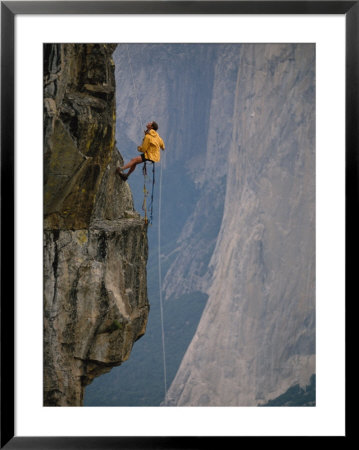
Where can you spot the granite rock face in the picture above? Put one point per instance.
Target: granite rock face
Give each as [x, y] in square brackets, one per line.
[256, 337]
[95, 244]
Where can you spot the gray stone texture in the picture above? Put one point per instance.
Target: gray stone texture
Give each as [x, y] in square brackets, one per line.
[95, 244]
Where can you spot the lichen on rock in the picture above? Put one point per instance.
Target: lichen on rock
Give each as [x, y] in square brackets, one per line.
[95, 243]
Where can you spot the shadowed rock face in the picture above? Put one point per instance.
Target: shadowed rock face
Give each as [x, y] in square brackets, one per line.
[95, 244]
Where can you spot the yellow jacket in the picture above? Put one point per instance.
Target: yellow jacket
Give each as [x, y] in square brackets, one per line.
[151, 144]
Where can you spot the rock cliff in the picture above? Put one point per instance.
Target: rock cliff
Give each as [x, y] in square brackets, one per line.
[95, 244]
[256, 337]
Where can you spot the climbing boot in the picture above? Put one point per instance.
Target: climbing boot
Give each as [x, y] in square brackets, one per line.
[122, 175]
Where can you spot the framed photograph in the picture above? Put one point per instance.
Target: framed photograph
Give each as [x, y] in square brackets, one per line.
[177, 187]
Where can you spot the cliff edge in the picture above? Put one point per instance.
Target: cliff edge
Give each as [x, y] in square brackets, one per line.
[95, 244]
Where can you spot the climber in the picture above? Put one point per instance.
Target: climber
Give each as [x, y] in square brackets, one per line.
[150, 149]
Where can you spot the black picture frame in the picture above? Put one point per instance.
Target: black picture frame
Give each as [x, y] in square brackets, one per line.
[9, 9]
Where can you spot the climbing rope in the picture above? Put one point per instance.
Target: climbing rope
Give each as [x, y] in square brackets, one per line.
[160, 284]
[145, 192]
[153, 189]
[144, 207]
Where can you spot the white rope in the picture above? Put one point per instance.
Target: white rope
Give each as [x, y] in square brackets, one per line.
[159, 238]
[135, 90]
[160, 283]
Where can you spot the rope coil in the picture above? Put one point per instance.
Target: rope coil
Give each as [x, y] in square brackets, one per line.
[146, 192]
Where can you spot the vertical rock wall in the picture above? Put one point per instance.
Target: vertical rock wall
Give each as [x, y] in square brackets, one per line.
[256, 337]
[95, 244]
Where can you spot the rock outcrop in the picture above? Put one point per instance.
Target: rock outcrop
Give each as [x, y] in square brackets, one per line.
[95, 244]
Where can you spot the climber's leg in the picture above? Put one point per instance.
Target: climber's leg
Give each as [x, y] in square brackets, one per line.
[132, 164]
